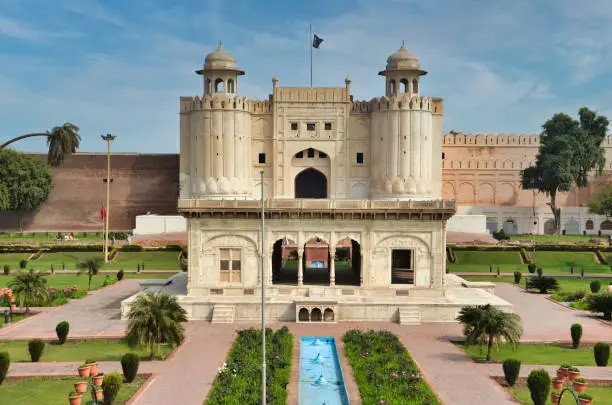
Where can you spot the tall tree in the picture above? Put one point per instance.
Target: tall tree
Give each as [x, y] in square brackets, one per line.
[62, 142]
[30, 288]
[569, 151]
[602, 202]
[154, 318]
[25, 180]
[90, 266]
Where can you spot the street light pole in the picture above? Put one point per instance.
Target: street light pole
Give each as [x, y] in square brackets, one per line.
[263, 295]
[108, 138]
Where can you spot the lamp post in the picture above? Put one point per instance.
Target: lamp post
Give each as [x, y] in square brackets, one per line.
[107, 138]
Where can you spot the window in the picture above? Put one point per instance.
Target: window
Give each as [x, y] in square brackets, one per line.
[328, 126]
[294, 126]
[310, 153]
[262, 158]
[402, 270]
[299, 155]
[310, 126]
[230, 265]
[218, 85]
[359, 158]
[442, 155]
[589, 225]
[322, 155]
[230, 86]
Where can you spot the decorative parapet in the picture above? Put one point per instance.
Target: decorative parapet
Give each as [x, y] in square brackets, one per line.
[374, 209]
[311, 94]
[224, 102]
[459, 139]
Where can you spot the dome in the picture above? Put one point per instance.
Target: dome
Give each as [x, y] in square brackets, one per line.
[403, 59]
[220, 59]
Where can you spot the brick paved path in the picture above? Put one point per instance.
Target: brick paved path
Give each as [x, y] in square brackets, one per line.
[544, 320]
[97, 315]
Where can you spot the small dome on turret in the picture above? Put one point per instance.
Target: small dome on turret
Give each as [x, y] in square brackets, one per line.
[403, 59]
[220, 59]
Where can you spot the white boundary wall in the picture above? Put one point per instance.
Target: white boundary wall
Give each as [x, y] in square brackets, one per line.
[155, 224]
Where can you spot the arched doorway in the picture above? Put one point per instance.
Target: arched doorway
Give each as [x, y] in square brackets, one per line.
[315, 262]
[348, 262]
[310, 183]
[510, 227]
[284, 262]
[549, 227]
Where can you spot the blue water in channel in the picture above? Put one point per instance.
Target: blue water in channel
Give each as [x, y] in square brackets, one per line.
[321, 380]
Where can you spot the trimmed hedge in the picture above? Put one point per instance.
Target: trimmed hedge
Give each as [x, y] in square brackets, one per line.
[525, 256]
[384, 371]
[450, 255]
[538, 382]
[576, 332]
[129, 365]
[61, 330]
[237, 380]
[131, 248]
[36, 348]
[5, 362]
[601, 257]
[111, 384]
[602, 354]
[36, 255]
[512, 369]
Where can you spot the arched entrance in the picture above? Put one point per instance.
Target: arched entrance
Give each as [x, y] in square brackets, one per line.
[348, 262]
[316, 262]
[310, 183]
[284, 262]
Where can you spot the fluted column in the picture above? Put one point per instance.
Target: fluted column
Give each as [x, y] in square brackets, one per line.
[405, 143]
[217, 141]
[332, 266]
[394, 144]
[300, 252]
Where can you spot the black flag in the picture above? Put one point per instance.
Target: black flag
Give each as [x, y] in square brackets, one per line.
[316, 41]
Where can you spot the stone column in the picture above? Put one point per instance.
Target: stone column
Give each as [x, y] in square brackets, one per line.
[332, 266]
[361, 272]
[300, 267]
[268, 266]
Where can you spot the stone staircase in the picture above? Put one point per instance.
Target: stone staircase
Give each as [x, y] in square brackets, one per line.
[408, 315]
[223, 313]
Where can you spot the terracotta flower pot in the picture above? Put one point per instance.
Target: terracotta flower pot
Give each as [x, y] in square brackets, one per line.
[97, 380]
[579, 387]
[13, 307]
[84, 371]
[75, 400]
[80, 386]
[584, 401]
[562, 373]
[554, 398]
[96, 395]
[557, 384]
[572, 375]
[93, 369]
[11, 299]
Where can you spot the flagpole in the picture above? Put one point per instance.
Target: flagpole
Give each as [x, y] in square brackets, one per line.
[310, 45]
[263, 294]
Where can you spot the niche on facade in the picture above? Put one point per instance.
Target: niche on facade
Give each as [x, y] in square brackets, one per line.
[316, 313]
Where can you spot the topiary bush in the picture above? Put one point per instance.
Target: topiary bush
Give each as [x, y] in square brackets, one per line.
[512, 368]
[36, 348]
[595, 286]
[538, 382]
[517, 277]
[120, 275]
[540, 272]
[62, 329]
[501, 235]
[7, 269]
[531, 267]
[601, 303]
[110, 387]
[5, 362]
[129, 364]
[23, 263]
[543, 284]
[602, 354]
[576, 332]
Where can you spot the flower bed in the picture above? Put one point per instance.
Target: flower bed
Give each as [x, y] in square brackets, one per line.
[239, 378]
[384, 371]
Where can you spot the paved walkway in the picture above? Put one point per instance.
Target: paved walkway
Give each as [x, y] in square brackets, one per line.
[97, 315]
[544, 320]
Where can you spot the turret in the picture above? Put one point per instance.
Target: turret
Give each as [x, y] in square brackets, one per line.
[402, 73]
[216, 134]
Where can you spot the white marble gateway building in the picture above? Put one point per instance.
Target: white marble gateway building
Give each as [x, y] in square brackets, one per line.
[361, 177]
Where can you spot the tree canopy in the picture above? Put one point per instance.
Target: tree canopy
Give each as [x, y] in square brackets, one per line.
[602, 202]
[569, 150]
[25, 181]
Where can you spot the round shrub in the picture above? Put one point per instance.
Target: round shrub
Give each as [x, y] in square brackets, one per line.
[538, 382]
[517, 277]
[36, 348]
[7, 269]
[5, 362]
[512, 368]
[602, 354]
[576, 332]
[595, 286]
[23, 263]
[62, 330]
[120, 275]
[540, 271]
[129, 365]
[110, 387]
[531, 267]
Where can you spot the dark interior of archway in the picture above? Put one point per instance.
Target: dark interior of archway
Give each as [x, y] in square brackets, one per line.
[277, 260]
[310, 183]
[348, 271]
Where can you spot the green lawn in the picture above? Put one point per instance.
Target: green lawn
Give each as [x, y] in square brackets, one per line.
[42, 237]
[477, 261]
[566, 284]
[100, 350]
[560, 262]
[124, 260]
[601, 395]
[556, 239]
[533, 353]
[55, 390]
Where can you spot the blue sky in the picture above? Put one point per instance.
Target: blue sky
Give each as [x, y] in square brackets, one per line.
[120, 66]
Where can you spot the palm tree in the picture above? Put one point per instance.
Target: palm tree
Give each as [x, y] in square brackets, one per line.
[29, 288]
[154, 318]
[485, 323]
[90, 266]
[62, 141]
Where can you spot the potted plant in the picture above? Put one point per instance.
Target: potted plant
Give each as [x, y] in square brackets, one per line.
[80, 387]
[97, 379]
[13, 307]
[74, 398]
[573, 373]
[96, 393]
[557, 383]
[562, 371]
[585, 399]
[554, 397]
[580, 385]
[84, 370]
[93, 367]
